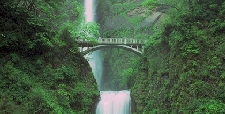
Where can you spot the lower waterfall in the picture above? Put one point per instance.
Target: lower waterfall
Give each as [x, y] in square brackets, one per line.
[114, 102]
[111, 102]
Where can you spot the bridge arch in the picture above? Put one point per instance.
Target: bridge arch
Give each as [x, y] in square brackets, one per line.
[125, 47]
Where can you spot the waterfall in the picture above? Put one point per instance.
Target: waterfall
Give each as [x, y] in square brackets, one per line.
[112, 102]
[94, 59]
[89, 10]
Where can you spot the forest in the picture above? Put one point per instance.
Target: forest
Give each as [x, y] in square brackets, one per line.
[181, 71]
[41, 70]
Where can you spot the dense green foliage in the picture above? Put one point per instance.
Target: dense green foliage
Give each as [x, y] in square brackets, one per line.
[183, 67]
[41, 70]
[119, 1]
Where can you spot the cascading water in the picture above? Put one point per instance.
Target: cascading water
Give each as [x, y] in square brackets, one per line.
[112, 102]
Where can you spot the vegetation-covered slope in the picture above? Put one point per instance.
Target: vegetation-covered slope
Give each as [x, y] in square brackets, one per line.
[41, 70]
[182, 69]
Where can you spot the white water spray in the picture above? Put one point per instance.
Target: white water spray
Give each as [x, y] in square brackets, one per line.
[112, 102]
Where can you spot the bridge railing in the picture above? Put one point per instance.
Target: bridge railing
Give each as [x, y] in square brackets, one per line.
[120, 41]
[117, 41]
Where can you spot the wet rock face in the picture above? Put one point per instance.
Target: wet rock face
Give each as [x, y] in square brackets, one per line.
[162, 8]
[140, 11]
[150, 17]
[116, 22]
[109, 21]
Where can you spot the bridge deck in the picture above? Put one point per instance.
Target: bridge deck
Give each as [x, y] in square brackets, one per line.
[115, 41]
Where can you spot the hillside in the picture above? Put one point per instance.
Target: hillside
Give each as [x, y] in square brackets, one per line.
[182, 69]
[41, 70]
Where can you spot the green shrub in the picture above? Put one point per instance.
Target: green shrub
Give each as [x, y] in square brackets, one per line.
[211, 107]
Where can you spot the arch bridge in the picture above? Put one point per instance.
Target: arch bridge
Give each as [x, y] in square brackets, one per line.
[130, 44]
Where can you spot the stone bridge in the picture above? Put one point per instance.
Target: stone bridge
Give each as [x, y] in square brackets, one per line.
[130, 44]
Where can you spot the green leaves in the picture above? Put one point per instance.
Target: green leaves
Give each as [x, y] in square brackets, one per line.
[40, 64]
[184, 61]
[210, 106]
[89, 31]
[150, 3]
[190, 48]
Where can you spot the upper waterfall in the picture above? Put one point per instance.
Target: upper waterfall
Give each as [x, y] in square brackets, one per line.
[89, 10]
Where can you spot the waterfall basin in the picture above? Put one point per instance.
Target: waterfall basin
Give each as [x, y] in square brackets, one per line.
[114, 102]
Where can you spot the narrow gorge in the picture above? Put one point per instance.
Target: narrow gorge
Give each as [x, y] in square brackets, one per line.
[112, 57]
